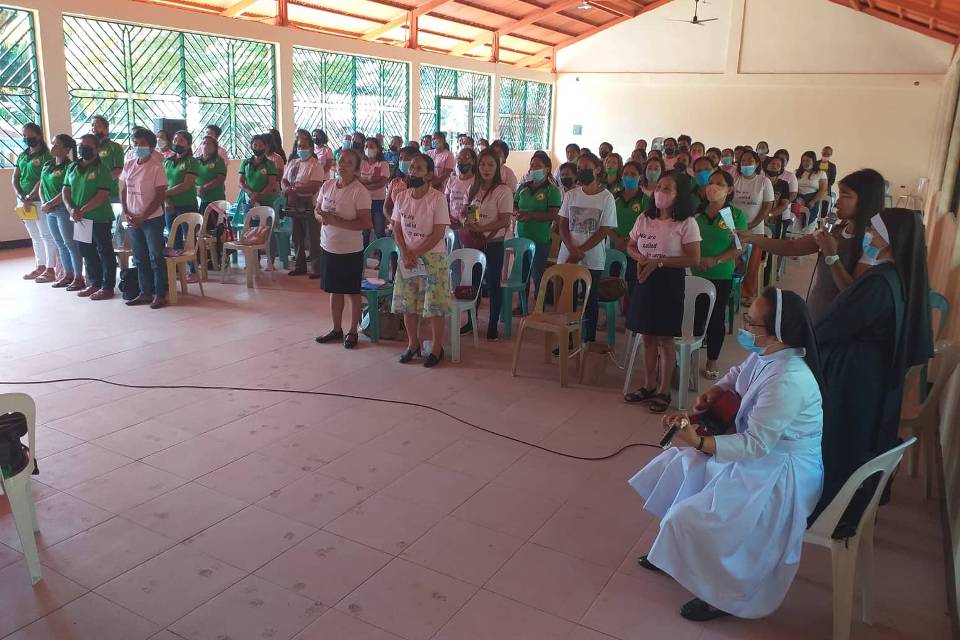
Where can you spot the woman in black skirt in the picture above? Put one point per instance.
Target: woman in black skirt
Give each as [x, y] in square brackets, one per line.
[665, 240]
[343, 209]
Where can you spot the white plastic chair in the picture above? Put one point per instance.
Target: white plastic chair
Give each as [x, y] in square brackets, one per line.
[19, 488]
[914, 200]
[177, 265]
[844, 552]
[251, 252]
[467, 259]
[688, 345]
[923, 422]
[450, 238]
[206, 243]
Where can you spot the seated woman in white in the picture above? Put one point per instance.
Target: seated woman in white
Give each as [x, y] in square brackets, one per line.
[734, 508]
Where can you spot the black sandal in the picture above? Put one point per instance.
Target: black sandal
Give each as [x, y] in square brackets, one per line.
[659, 403]
[639, 396]
[644, 562]
[350, 341]
[433, 360]
[409, 355]
[331, 336]
[699, 611]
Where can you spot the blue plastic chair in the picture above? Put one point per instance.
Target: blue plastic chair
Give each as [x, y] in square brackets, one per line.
[389, 254]
[733, 304]
[938, 302]
[515, 284]
[610, 308]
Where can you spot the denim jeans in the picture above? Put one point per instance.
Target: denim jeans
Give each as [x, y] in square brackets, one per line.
[539, 265]
[100, 258]
[494, 252]
[169, 215]
[61, 228]
[148, 245]
[379, 224]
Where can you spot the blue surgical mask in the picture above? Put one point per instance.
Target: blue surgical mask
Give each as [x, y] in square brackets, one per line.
[434, 144]
[726, 161]
[630, 183]
[536, 175]
[652, 176]
[142, 153]
[703, 177]
[748, 170]
[870, 252]
[303, 154]
[404, 166]
[749, 342]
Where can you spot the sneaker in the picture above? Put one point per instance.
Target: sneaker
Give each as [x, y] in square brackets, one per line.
[492, 333]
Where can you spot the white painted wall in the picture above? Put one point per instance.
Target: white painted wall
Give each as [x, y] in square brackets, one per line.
[49, 16]
[809, 73]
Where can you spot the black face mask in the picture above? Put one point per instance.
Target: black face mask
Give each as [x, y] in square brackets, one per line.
[604, 154]
[258, 152]
[775, 174]
[86, 152]
[358, 146]
[318, 142]
[394, 148]
[415, 182]
[179, 149]
[680, 166]
[566, 182]
[464, 168]
[31, 141]
[669, 151]
[586, 176]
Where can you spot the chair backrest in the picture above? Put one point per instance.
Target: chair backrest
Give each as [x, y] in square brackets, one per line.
[945, 360]
[193, 222]
[468, 259]
[939, 303]
[694, 287]
[887, 195]
[564, 299]
[450, 238]
[520, 248]
[825, 524]
[613, 257]
[386, 247]
[212, 213]
[22, 403]
[265, 215]
[740, 266]
[921, 186]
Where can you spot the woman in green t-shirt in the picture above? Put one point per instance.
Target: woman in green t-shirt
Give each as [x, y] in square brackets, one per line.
[718, 258]
[630, 202]
[535, 208]
[612, 167]
[181, 169]
[52, 177]
[26, 184]
[211, 176]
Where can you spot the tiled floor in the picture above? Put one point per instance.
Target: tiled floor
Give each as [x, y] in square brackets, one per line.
[208, 515]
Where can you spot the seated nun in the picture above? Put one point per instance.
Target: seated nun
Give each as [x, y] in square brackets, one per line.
[733, 508]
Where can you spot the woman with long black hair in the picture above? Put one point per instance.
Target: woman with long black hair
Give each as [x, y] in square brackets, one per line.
[875, 330]
[52, 175]
[733, 508]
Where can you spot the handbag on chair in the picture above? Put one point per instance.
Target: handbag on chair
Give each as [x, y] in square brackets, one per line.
[255, 235]
[13, 453]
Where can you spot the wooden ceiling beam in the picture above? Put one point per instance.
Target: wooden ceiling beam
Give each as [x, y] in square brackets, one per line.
[942, 14]
[913, 26]
[409, 16]
[283, 16]
[549, 10]
[503, 14]
[238, 8]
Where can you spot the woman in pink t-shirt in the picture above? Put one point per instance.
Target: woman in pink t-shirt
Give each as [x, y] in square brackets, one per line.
[374, 174]
[458, 187]
[399, 184]
[422, 285]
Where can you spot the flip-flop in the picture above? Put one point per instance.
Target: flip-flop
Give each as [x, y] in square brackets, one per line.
[649, 566]
[659, 403]
[699, 611]
[639, 396]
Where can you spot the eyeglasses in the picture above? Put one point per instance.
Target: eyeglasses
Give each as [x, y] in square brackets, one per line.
[747, 322]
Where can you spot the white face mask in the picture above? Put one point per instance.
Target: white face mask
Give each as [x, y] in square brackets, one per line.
[372, 154]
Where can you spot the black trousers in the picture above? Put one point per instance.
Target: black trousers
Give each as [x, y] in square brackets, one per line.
[716, 327]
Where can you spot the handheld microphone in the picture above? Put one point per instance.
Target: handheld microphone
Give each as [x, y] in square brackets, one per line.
[830, 220]
[680, 424]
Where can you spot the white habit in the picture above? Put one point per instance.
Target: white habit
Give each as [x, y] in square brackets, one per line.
[732, 524]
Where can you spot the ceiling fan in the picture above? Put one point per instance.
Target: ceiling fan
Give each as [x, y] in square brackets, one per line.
[695, 19]
[585, 5]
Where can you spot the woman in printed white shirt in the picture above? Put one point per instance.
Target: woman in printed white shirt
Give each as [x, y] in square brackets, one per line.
[301, 183]
[457, 189]
[374, 175]
[665, 241]
[588, 215]
[811, 186]
[752, 194]
[343, 209]
[485, 225]
[422, 285]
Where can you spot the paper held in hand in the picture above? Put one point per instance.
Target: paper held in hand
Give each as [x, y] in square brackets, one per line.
[727, 215]
[27, 214]
[83, 231]
[419, 270]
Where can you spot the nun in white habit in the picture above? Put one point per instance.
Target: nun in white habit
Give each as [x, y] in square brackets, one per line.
[733, 508]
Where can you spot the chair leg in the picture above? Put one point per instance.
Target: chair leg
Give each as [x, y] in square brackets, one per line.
[610, 310]
[23, 519]
[547, 347]
[250, 263]
[474, 327]
[844, 559]
[202, 251]
[171, 282]
[683, 380]
[182, 275]
[866, 571]
[506, 312]
[373, 317]
[453, 328]
[564, 340]
[224, 261]
[633, 345]
[929, 451]
[516, 351]
[200, 281]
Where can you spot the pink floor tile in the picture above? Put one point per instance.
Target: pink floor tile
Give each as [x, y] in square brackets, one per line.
[21, 603]
[507, 509]
[315, 499]
[59, 517]
[8, 556]
[252, 609]
[99, 554]
[489, 616]
[185, 511]
[79, 464]
[88, 617]
[586, 534]
[256, 432]
[324, 567]
[368, 466]
[51, 441]
[252, 477]
[309, 449]
[126, 487]
[171, 584]
[479, 458]
[335, 624]
[385, 523]
[550, 581]
[547, 474]
[142, 439]
[611, 495]
[197, 457]
[408, 600]
[250, 538]
[435, 487]
[416, 440]
[463, 550]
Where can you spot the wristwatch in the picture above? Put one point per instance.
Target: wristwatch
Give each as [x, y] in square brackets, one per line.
[831, 259]
[660, 264]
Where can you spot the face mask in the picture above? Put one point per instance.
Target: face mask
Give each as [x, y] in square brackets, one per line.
[303, 154]
[680, 166]
[394, 148]
[142, 153]
[162, 144]
[415, 183]
[657, 146]
[372, 154]
[566, 182]
[703, 177]
[670, 151]
[348, 143]
[31, 141]
[775, 174]
[664, 200]
[762, 151]
[749, 341]
[807, 166]
[317, 142]
[586, 176]
[86, 152]
[630, 183]
[870, 252]
[611, 172]
[536, 175]
[726, 161]
[179, 149]
[716, 193]
[358, 146]
[652, 176]
[404, 166]
[434, 144]
[604, 154]
[748, 170]
[463, 168]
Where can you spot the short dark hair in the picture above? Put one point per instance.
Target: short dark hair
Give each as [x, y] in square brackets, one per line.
[573, 145]
[186, 134]
[217, 130]
[503, 146]
[101, 120]
[145, 135]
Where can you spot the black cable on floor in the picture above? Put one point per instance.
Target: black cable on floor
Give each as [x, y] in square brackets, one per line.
[334, 395]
